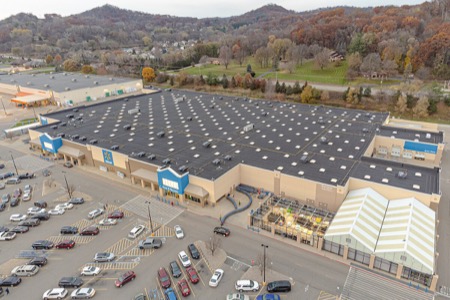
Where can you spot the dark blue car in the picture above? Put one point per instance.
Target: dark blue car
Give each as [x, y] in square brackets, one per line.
[268, 297]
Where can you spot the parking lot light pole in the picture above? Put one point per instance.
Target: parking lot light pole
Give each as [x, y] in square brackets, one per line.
[14, 163]
[67, 186]
[149, 216]
[264, 262]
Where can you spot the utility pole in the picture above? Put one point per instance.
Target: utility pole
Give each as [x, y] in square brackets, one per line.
[4, 109]
[149, 216]
[67, 187]
[14, 163]
[264, 262]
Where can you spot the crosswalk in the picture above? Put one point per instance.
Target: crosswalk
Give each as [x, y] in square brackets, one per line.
[121, 246]
[364, 284]
[31, 163]
[114, 265]
[83, 223]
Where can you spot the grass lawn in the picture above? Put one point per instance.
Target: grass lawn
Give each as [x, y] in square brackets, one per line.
[306, 72]
[25, 122]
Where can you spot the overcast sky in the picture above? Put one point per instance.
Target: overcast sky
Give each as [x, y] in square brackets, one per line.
[195, 8]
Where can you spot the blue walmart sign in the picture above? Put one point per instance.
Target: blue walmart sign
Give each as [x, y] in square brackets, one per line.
[170, 180]
[420, 147]
[108, 157]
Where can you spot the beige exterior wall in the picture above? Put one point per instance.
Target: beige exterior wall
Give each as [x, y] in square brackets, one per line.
[257, 177]
[120, 160]
[208, 185]
[51, 120]
[6, 88]
[34, 134]
[371, 148]
[224, 184]
[415, 125]
[95, 92]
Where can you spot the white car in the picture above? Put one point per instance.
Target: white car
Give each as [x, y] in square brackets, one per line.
[107, 222]
[95, 213]
[64, 206]
[27, 189]
[7, 235]
[104, 256]
[90, 271]
[83, 293]
[215, 279]
[247, 285]
[17, 218]
[57, 293]
[56, 211]
[184, 259]
[35, 210]
[237, 297]
[179, 232]
[26, 197]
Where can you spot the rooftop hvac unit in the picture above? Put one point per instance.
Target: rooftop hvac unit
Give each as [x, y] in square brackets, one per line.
[212, 106]
[127, 127]
[74, 79]
[365, 130]
[63, 124]
[183, 169]
[151, 157]
[75, 137]
[166, 161]
[304, 159]
[133, 111]
[69, 116]
[111, 79]
[161, 134]
[114, 147]
[216, 162]
[189, 118]
[323, 140]
[141, 154]
[75, 110]
[96, 82]
[46, 85]
[83, 138]
[264, 114]
[54, 127]
[67, 88]
[228, 157]
[402, 174]
[206, 144]
[28, 83]
[321, 121]
[52, 77]
[61, 134]
[93, 142]
[65, 74]
[86, 76]
[249, 127]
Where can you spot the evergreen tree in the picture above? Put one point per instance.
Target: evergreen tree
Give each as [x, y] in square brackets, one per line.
[296, 89]
[224, 81]
[277, 87]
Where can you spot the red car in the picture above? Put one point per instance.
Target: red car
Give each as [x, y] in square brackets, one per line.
[117, 214]
[66, 244]
[91, 230]
[164, 278]
[193, 276]
[184, 288]
[125, 278]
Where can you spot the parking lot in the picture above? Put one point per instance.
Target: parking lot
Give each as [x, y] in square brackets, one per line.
[100, 193]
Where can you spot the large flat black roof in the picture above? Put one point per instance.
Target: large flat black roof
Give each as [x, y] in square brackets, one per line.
[412, 135]
[279, 134]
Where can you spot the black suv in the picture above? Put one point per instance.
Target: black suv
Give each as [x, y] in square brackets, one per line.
[44, 216]
[194, 251]
[70, 282]
[222, 230]
[69, 230]
[26, 176]
[42, 244]
[38, 261]
[175, 269]
[15, 201]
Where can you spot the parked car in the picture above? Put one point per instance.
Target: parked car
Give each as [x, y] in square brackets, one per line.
[90, 271]
[108, 222]
[2, 186]
[194, 251]
[91, 230]
[69, 230]
[35, 210]
[15, 200]
[237, 297]
[5, 198]
[64, 206]
[46, 172]
[184, 259]
[170, 294]
[117, 214]
[10, 281]
[17, 217]
[136, 231]
[83, 293]
[2, 166]
[4, 229]
[268, 297]
[163, 277]
[179, 232]
[222, 230]
[13, 180]
[68, 164]
[76, 200]
[55, 212]
[25, 270]
[279, 286]
[26, 176]
[7, 236]
[41, 204]
[216, 278]
[6, 175]
[58, 293]
[150, 243]
[184, 288]
[43, 216]
[246, 285]
[125, 278]
[42, 244]
[193, 275]
[140, 296]
[38, 261]
[27, 189]
[104, 256]
[26, 197]
[17, 192]
[2, 206]
[20, 229]
[95, 213]
[30, 223]
[65, 244]
[70, 282]
[175, 269]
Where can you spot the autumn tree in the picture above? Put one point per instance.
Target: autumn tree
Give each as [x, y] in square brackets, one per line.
[213, 244]
[352, 96]
[70, 65]
[307, 94]
[420, 110]
[225, 55]
[325, 96]
[57, 60]
[87, 69]
[371, 63]
[354, 61]
[148, 74]
[322, 59]
[48, 59]
[401, 105]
